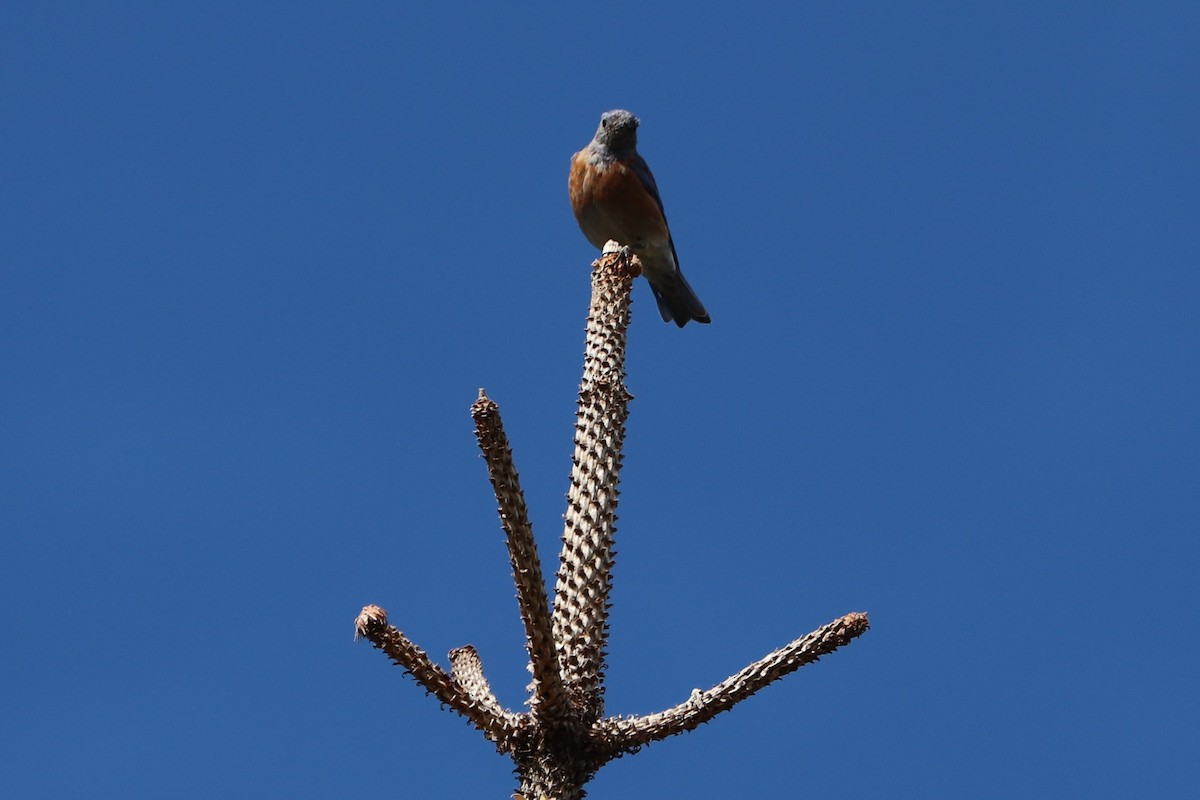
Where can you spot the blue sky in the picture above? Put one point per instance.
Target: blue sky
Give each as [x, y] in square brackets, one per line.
[256, 260]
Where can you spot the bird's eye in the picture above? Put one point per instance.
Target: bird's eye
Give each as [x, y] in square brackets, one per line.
[604, 122]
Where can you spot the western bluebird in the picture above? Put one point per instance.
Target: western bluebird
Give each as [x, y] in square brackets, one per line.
[614, 196]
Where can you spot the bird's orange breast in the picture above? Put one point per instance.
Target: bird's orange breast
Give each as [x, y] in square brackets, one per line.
[610, 202]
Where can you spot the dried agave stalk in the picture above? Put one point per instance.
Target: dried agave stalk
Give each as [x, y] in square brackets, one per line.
[564, 738]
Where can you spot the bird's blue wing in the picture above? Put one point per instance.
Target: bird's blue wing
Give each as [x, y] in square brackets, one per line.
[639, 167]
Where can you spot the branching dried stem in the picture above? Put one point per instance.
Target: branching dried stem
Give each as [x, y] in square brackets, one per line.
[630, 733]
[548, 699]
[466, 669]
[373, 626]
[564, 738]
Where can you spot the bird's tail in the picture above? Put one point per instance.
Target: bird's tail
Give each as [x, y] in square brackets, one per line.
[677, 302]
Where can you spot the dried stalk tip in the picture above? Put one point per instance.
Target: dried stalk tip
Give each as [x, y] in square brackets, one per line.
[855, 624]
[371, 618]
[632, 262]
[483, 406]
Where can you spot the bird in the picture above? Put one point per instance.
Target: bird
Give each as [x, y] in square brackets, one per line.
[614, 196]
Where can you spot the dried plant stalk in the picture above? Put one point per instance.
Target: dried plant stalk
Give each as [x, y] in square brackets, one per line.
[631, 733]
[585, 570]
[548, 698]
[564, 738]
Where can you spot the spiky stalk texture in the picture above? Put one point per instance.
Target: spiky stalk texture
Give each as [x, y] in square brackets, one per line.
[466, 669]
[586, 561]
[631, 733]
[564, 739]
[373, 626]
[548, 698]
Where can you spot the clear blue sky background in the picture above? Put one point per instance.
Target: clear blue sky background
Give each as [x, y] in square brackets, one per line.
[256, 259]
